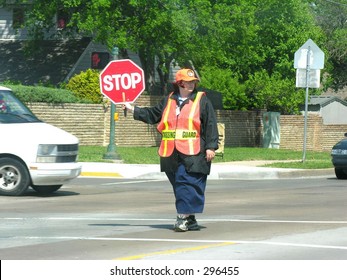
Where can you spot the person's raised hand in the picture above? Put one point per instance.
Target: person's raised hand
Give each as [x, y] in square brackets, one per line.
[128, 107]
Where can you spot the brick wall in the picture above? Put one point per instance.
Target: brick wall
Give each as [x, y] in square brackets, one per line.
[332, 134]
[86, 121]
[91, 124]
[242, 128]
[319, 137]
[292, 132]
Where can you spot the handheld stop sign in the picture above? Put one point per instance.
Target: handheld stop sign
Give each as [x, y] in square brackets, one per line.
[122, 81]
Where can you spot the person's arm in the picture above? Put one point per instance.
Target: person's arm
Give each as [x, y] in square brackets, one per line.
[150, 115]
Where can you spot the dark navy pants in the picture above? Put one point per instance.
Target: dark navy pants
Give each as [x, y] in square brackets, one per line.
[189, 190]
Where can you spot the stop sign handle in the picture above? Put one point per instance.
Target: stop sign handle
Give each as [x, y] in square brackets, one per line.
[124, 100]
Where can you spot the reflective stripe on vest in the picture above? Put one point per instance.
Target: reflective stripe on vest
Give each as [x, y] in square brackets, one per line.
[182, 131]
[167, 145]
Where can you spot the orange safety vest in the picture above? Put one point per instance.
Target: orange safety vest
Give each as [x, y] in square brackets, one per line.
[180, 129]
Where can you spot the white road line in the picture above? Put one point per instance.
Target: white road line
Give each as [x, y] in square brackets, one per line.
[167, 219]
[132, 182]
[232, 242]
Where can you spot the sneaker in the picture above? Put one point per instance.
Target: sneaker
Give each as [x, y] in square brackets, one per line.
[186, 223]
[192, 223]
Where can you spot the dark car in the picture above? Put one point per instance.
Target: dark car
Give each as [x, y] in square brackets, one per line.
[339, 158]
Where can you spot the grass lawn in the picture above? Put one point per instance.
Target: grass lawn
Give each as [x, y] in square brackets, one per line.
[149, 155]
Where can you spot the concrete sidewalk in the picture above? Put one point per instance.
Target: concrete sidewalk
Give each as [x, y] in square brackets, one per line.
[230, 170]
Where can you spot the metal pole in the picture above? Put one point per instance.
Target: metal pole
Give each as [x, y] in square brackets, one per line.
[111, 148]
[306, 101]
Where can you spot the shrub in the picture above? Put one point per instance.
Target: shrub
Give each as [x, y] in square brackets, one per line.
[29, 94]
[274, 93]
[86, 86]
[223, 80]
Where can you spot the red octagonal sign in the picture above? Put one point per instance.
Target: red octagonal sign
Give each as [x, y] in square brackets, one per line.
[122, 81]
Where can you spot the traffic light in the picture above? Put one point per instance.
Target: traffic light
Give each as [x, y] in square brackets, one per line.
[99, 60]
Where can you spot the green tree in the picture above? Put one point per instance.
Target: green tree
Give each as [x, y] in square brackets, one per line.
[257, 50]
[240, 40]
[233, 32]
[274, 93]
[283, 27]
[224, 81]
[332, 17]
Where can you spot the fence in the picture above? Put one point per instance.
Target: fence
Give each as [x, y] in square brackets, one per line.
[91, 124]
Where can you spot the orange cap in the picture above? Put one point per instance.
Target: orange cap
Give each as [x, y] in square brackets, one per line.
[185, 75]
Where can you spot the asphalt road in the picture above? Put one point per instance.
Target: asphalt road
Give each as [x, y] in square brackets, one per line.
[113, 219]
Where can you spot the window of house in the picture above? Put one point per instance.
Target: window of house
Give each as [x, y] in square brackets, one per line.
[62, 19]
[18, 17]
[99, 60]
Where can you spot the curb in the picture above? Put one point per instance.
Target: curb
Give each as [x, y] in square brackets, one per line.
[218, 171]
[305, 173]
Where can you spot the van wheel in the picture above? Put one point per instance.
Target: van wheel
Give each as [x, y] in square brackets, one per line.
[340, 173]
[14, 177]
[46, 189]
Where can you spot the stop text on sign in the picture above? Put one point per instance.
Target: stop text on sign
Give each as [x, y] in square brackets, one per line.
[121, 81]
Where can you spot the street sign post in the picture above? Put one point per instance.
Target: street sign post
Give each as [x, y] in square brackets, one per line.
[122, 81]
[308, 60]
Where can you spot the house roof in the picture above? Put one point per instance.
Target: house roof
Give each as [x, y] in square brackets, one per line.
[323, 101]
[50, 64]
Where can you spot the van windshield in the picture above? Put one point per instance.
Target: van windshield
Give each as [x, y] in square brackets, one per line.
[14, 111]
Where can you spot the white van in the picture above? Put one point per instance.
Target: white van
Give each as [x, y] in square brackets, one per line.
[33, 153]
